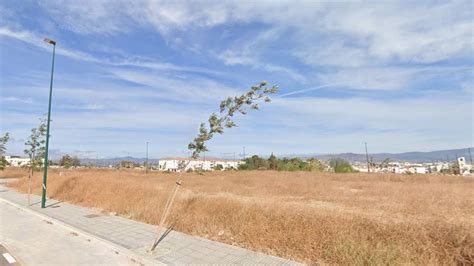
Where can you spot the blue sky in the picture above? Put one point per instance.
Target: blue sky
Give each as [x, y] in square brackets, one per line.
[398, 75]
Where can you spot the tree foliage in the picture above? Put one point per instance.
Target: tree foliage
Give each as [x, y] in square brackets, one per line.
[272, 162]
[129, 164]
[228, 108]
[68, 161]
[285, 164]
[341, 166]
[3, 148]
[36, 145]
[219, 167]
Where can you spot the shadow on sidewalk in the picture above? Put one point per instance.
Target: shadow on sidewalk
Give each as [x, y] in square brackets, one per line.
[52, 205]
[167, 231]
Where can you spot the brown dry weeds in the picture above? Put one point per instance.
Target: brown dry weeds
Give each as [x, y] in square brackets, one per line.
[308, 217]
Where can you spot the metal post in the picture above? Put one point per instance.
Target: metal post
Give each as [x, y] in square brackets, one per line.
[367, 157]
[45, 174]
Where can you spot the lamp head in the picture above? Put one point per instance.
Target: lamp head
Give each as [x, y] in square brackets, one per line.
[50, 41]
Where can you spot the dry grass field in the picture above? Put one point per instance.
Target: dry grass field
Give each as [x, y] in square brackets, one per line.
[309, 217]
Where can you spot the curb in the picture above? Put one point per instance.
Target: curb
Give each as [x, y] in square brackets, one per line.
[128, 253]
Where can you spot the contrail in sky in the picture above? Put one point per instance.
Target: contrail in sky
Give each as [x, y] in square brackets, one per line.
[311, 89]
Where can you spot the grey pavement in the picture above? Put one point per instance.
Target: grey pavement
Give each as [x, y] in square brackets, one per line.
[175, 249]
[30, 240]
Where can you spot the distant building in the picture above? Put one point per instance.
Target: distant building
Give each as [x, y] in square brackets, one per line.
[17, 161]
[396, 167]
[464, 168]
[172, 164]
[393, 167]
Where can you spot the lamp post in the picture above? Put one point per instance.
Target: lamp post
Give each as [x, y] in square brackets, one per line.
[45, 175]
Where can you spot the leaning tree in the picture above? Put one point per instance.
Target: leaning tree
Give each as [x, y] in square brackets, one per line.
[216, 124]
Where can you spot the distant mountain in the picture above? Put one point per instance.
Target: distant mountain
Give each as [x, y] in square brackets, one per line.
[431, 156]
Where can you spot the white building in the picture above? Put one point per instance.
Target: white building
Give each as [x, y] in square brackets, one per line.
[17, 161]
[464, 168]
[415, 168]
[396, 167]
[438, 167]
[172, 164]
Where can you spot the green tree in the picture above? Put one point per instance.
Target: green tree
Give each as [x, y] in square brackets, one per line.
[316, 165]
[254, 162]
[340, 166]
[219, 167]
[35, 145]
[3, 148]
[285, 164]
[129, 164]
[272, 162]
[68, 161]
[246, 166]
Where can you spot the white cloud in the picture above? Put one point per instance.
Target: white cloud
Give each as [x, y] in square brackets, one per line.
[97, 17]
[28, 100]
[233, 58]
[246, 52]
[125, 60]
[388, 78]
[421, 32]
[336, 34]
[37, 41]
[185, 89]
[419, 114]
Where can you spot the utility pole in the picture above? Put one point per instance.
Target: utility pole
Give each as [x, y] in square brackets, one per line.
[244, 153]
[45, 174]
[146, 163]
[367, 157]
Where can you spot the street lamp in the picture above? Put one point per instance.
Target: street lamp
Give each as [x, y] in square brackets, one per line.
[45, 175]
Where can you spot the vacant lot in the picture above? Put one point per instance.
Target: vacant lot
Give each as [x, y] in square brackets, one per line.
[309, 217]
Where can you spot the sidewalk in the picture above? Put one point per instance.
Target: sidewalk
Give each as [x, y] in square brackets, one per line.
[31, 240]
[176, 248]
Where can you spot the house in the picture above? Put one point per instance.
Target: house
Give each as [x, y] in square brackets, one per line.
[396, 167]
[172, 164]
[415, 168]
[17, 161]
[464, 168]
